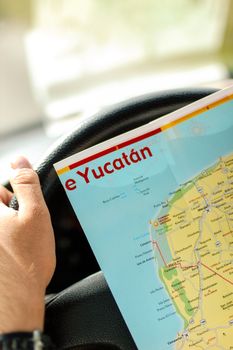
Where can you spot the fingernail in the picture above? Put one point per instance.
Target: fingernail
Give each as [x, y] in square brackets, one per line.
[20, 162]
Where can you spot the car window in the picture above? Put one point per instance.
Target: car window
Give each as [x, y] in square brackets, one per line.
[64, 60]
[58, 55]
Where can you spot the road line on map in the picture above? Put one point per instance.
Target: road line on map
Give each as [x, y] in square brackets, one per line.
[156, 243]
[185, 267]
[216, 273]
[176, 264]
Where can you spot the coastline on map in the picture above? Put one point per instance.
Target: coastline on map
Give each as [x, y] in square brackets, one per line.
[159, 226]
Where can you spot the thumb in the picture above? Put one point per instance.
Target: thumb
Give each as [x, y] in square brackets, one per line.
[26, 185]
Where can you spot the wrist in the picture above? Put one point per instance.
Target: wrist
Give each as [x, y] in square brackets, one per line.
[22, 314]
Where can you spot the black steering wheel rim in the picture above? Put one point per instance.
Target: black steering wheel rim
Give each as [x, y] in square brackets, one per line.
[85, 315]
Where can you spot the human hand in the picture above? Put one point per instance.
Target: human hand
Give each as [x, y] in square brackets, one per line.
[27, 252]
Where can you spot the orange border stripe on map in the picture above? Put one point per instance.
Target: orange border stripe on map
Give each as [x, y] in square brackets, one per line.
[198, 111]
[63, 170]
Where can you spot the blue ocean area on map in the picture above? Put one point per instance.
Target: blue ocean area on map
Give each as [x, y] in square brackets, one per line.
[115, 211]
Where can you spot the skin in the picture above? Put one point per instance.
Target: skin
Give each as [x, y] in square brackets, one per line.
[27, 252]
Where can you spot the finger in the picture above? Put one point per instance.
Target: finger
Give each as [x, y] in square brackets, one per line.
[26, 186]
[5, 195]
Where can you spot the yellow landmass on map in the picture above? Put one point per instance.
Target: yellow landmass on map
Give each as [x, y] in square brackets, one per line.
[198, 226]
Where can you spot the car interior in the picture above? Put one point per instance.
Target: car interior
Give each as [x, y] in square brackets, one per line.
[67, 115]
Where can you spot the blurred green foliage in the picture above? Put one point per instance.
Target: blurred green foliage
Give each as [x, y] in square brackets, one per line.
[17, 10]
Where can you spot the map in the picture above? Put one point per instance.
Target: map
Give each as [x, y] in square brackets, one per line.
[156, 205]
[192, 239]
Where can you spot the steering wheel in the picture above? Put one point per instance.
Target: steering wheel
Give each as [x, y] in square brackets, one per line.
[85, 315]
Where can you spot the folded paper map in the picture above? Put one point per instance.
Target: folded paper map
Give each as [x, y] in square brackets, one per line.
[156, 205]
